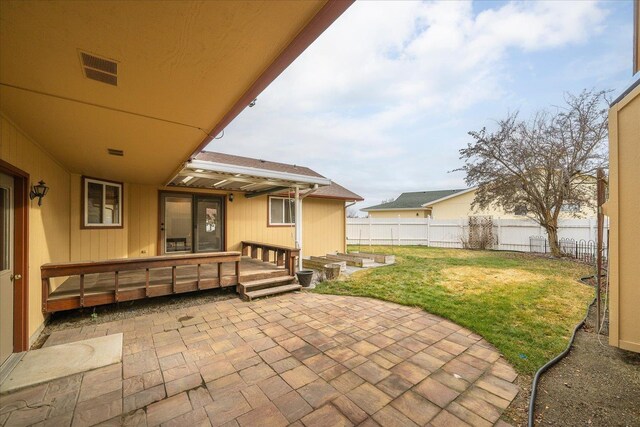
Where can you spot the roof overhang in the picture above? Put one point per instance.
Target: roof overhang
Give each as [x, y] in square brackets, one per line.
[451, 196]
[636, 36]
[419, 208]
[251, 181]
[185, 70]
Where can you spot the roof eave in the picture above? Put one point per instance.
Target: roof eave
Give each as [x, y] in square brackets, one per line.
[255, 172]
[450, 196]
[373, 209]
[316, 26]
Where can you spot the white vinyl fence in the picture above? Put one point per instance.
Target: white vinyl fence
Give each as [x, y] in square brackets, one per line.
[510, 234]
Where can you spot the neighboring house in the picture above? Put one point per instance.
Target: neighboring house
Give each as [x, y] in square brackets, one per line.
[409, 205]
[455, 204]
[110, 107]
[623, 207]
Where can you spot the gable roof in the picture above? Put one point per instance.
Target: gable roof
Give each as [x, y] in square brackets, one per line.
[332, 191]
[415, 200]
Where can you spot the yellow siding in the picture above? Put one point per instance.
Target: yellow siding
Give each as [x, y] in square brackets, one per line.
[623, 207]
[49, 223]
[460, 207]
[95, 245]
[323, 226]
[323, 222]
[400, 214]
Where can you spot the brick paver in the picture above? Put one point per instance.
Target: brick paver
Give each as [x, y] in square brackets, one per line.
[299, 359]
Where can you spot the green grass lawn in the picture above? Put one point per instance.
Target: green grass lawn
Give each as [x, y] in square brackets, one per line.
[524, 305]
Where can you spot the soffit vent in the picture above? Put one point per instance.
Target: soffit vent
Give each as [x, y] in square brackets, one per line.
[99, 69]
[115, 152]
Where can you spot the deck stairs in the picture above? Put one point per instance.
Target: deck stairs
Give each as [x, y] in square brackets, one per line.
[266, 284]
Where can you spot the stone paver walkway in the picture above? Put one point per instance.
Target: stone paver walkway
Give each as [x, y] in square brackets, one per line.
[299, 359]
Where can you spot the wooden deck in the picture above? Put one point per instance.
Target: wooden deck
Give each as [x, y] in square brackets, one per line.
[99, 288]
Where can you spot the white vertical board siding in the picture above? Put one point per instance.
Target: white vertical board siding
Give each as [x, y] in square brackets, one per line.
[512, 234]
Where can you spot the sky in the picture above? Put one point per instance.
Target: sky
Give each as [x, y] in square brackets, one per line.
[383, 100]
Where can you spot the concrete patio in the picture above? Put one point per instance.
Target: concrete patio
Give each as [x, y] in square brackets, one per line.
[298, 359]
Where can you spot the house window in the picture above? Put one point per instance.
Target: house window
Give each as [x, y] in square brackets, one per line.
[570, 207]
[101, 204]
[282, 211]
[520, 210]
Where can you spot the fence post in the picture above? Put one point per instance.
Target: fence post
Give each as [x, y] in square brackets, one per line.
[499, 236]
[428, 231]
[399, 231]
[369, 231]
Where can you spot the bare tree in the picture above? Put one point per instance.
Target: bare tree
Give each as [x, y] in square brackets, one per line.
[352, 213]
[542, 166]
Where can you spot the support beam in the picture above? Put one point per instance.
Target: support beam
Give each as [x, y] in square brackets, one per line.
[298, 223]
[263, 192]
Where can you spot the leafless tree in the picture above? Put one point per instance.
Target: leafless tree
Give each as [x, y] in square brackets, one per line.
[542, 166]
[352, 213]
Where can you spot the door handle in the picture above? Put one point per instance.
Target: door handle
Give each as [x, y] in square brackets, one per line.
[15, 277]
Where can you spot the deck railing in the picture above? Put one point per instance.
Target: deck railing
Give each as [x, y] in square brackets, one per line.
[138, 277]
[276, 254]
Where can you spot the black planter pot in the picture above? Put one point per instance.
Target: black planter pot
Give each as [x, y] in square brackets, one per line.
[304, 277]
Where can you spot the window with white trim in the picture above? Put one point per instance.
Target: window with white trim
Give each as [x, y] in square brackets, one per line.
[102, 203]
[520, 210]
[282, 211]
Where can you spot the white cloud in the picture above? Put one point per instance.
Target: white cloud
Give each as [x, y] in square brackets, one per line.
[379, 101]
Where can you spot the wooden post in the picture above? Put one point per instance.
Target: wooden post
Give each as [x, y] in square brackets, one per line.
[245, 249]
[45, 294]
[220, 274]
[279, 258]
[173, 279]
[146, 282]
[265, 255]
[116, 286]
[254, 252]
[237, 272]
[198, 276]
[601, 200]
[82, 290]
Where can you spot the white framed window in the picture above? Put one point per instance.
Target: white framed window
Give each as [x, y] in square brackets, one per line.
[520, 210]
[101, 203]
[282, 211]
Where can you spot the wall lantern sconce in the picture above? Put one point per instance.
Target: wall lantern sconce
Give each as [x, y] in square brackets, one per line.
[39, 191]
[231, 197]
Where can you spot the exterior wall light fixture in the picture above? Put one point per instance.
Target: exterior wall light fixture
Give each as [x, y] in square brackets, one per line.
[40, 190]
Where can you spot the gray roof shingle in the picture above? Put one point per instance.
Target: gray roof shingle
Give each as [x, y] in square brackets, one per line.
[414, 200]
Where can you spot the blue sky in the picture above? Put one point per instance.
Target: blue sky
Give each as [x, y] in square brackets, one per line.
[383, 100]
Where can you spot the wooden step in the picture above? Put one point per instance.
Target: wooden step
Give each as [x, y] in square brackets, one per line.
[351, 260]
[250, 276]
[270, 282]
[380, 258]
[271, 291]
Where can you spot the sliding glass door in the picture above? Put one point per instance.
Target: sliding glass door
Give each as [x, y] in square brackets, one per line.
[191, 223]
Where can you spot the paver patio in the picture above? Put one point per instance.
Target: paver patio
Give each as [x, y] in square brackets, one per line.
[298, 359]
